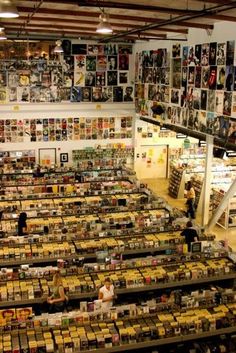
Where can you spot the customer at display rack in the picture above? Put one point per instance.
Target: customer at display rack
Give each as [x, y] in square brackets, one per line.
[190, 234]
[106, 294]
[190, 200]
[22, 225]
[57, 301]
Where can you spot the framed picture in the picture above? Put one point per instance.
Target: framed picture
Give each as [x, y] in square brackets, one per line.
[63, 157]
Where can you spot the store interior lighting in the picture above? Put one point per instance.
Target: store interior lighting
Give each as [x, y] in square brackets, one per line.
[58, 48]
[104, 27]
[2, 34]
[8, 9]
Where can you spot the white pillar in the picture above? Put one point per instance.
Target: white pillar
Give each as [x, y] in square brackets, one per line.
[207, 180]
[222, 206]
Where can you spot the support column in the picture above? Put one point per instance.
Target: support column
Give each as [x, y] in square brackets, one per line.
[222, 206]
[207, 180]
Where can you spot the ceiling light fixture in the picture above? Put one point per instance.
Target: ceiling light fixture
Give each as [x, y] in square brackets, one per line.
[2, 34]
[104, 26]
[8, 9]
[58, 48]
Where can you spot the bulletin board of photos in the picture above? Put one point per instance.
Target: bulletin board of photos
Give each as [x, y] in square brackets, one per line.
[91, 73]
[200, 93]
[69, 129]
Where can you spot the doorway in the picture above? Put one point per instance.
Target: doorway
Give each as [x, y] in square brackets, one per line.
[47, 157]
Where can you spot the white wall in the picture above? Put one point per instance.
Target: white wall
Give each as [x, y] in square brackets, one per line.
[154, 143]
[222, 32]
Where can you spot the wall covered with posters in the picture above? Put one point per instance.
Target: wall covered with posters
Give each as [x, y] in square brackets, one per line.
[64, 127]
[98, 77]
[84, 73]
[195, 81]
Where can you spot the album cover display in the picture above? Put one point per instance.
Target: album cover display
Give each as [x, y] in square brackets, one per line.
[220, 78]
[211, 101]
[221, 54]
[232, 130]
[205, 77]
[229, 82]
[82, 65]
[198, 77]
[227, 103]
[196, 55]
[212, 77]
[203, 99]
[212, 53]
[196, 98]
[230, 49]
[66, 129]
[176, 74]
[185, 55]
[200, 92]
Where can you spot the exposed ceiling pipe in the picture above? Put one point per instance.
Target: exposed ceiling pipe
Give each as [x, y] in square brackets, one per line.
[26, 23]
[81, 14]
[192, 133]
[205, 12]
[169, 39]
[122, 5]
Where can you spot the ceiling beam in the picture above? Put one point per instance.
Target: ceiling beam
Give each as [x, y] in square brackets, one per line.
[194, 25]
[81, 31]
[220, 2]
[205, 13]
[223, 18]
[119, 24]
[90, 14]
[72, 34]
[65, 29]
[125, 6]
[84, 22]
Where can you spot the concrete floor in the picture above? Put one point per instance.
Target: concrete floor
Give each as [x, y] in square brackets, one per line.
[160, 188]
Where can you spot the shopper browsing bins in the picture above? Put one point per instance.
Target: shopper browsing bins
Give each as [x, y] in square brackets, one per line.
[106, 294]
[22, 225]
[57, 300]
[190, 234]
[190, 200]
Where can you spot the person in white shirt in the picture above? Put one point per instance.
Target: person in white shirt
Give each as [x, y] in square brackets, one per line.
[106, 294]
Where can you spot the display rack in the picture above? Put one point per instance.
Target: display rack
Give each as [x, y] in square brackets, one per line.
[176, 182]
[119, 336]
[228, 217]
[17, 160]
[223, 175]
[141, 229]
[103, 157]
[131, 280]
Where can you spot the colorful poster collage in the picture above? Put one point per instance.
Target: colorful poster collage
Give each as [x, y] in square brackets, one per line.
[91, 73]
[69, 129]
[201, 92]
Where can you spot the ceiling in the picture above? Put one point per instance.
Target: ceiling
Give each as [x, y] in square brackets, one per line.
[130, 20]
